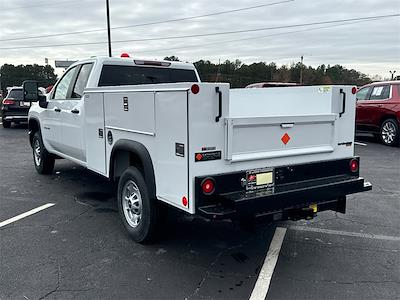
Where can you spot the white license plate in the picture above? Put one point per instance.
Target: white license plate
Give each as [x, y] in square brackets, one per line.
[25, 104]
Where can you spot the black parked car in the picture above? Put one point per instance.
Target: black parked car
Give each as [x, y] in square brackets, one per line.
[14, 109]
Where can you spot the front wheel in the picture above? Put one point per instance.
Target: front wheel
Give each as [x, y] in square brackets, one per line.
[136, 209]
[43, 160]
[390, 133]
[6, 124]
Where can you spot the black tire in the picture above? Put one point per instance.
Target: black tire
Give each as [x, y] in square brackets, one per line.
[146, 228]
[6, 124]
[45, 163]
[390, 126]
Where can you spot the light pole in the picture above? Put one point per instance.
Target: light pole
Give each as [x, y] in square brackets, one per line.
[392, 73]
[301, 70]
[108, 27]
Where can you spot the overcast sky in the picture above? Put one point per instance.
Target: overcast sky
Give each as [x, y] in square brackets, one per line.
[371, 47]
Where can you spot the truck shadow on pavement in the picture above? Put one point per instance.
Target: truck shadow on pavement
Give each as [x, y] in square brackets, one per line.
[218, 259]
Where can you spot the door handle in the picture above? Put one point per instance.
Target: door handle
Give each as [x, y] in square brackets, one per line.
[75, 111]
[344, 103]
[57, 109]
[218, 91]
[287, 125]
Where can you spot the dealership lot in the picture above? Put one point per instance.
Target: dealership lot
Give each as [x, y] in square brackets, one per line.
[77, 248]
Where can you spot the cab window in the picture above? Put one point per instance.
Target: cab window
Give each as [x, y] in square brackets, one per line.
[380, 92]
[363, 93]
[81, 81]
[63, 87]
[114, 75]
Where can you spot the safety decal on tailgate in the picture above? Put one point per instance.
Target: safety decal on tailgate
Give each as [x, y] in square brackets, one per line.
[286, 138]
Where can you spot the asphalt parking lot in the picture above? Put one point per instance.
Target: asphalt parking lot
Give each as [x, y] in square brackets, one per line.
[77, 248]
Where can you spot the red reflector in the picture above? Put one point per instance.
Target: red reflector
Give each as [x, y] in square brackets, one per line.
[354, 165]
[195, 89]
[184, 201]
[125, 55]
[285, 138]
[208, 186]
[8, 102]
[354, 90]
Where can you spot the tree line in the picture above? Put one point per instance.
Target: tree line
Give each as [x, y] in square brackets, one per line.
[11, 75]
[235, 72]
[240, 75]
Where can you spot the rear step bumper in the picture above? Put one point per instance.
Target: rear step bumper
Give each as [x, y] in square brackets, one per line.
[290, 204]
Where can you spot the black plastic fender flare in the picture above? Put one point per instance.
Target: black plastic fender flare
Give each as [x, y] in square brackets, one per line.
[141, 151]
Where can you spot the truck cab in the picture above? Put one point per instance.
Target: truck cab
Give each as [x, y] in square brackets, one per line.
[202, 148]
[62, 119]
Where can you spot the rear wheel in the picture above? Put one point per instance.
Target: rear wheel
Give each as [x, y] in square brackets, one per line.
[389, 133]
[43, 160]
[137, 211]
[6, 124]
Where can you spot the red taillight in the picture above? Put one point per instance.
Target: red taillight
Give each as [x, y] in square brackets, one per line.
[354, 90]
[208, 186]
[125, 55]
[8, 102]
[354, 165]
[195, 89]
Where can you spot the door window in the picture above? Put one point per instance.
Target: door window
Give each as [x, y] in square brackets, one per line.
[82, 80]
[61, 91]
[363, 93]
[380, 92]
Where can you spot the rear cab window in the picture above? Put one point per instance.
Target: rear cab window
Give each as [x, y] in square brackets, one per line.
[117, 75]
[15, 94]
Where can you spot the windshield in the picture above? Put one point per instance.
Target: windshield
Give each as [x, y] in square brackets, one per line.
[113, 75]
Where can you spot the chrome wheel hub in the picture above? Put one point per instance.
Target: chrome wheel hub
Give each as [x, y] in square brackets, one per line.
[388, 133]
[132, 203]
[36, 152]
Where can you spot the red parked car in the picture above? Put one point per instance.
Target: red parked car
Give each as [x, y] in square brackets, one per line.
[378, 111]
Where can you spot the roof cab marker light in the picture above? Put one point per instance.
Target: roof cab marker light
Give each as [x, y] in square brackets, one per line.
[152, 63]
[125, 55]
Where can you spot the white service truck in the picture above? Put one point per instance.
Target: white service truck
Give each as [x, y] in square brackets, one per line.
[206, 149]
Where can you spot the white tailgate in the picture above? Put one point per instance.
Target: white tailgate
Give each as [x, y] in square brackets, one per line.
[283, 122]
[260, 138]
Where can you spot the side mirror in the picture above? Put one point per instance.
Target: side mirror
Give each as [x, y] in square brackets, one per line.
[30, 88]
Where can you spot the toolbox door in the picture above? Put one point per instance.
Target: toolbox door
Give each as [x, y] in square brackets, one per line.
[171, 165]
[95, 133]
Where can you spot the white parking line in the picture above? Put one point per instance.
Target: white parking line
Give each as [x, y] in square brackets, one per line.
[346, 233]
[264, 278]
[26, 214]
[360, 144]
